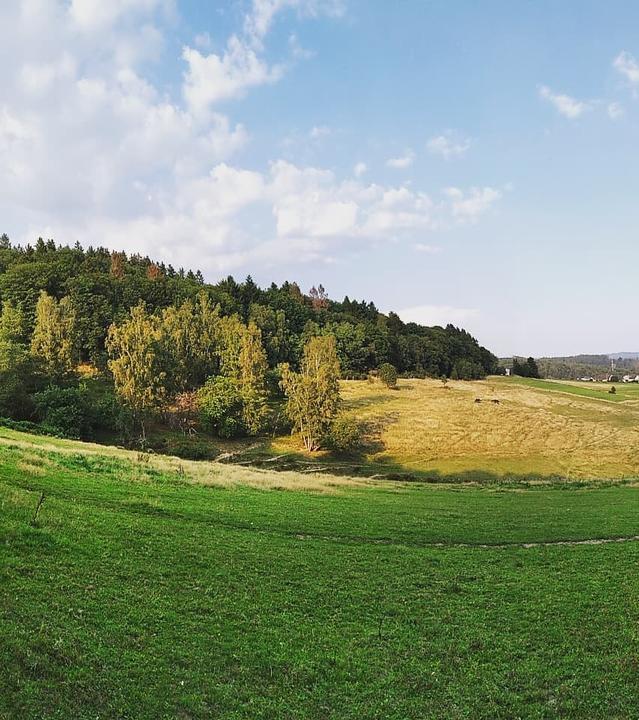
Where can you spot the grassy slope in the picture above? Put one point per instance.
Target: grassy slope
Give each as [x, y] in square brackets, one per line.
[144, 594]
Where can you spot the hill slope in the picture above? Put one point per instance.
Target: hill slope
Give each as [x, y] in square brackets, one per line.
[141, 593]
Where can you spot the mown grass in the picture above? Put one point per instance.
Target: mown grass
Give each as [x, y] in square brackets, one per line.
[499, 426]
[142, 593]
[595, 390]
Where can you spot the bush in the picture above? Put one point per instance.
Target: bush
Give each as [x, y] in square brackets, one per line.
[221, 407]
[345, 436]
[68, 412]
[387, 373]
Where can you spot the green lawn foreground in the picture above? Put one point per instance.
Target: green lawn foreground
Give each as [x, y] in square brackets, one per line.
[139, 596]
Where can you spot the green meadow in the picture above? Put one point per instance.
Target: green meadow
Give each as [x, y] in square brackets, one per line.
[147, 587]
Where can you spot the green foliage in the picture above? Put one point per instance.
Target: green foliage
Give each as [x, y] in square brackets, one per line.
[253, 367]
[387, 373]
[313, 392]
[345, 436]
[466, 370]
[138, 351]
[222, 407]
[69, 412]
[104, 286]
[527, 368]
[54, 340]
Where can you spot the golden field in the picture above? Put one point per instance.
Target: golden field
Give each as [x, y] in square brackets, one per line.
[425, 425]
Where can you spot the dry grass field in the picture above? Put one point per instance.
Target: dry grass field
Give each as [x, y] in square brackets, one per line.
[427, 426]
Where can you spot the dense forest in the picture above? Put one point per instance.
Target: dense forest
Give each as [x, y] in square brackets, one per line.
[66, 309]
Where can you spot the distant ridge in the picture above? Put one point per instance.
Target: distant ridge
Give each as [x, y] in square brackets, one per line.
[624, 355]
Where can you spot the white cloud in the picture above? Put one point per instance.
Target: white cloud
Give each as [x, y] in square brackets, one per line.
[401, 162]
[615, 110]
[627, 65]
[469, 206]
[438, 315]
[319, 131]
[448, 145]
[428, 249]
[94, 150]
[564, 104]
[212, 78]
[360, 169]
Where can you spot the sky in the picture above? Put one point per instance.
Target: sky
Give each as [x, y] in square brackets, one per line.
[453, 161]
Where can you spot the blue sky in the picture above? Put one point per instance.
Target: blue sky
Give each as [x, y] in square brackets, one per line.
[454, 161]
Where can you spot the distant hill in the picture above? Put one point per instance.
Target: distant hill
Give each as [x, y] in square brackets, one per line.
[625, 355]
[597, 366]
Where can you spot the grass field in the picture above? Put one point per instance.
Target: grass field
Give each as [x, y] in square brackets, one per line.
[536, 430]
[151, 588]
[624, 392]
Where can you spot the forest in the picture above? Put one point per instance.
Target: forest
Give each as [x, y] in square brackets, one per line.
[152, 336]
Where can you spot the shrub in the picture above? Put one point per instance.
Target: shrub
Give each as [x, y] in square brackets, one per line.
[68, 412]
[387, 373]
[221, 407]
[345, 436]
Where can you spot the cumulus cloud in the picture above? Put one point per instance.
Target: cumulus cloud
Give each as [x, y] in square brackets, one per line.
[360, 169]
[449, 145]
[93, 150]
[468, 206]
[212, 78]
[428, 249]
[564, 104]
[319, 131]
[615, 110]
[402, 161]
[627, 65]
[438, 315]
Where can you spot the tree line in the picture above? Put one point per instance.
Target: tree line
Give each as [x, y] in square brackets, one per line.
[162, 337]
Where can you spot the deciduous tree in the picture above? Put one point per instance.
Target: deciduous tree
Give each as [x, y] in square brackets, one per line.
[137, 352]
[313, 392]
[54, 335]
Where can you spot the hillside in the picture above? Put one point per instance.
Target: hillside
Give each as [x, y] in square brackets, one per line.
[149, 589]
[499, 428]
[102, 287]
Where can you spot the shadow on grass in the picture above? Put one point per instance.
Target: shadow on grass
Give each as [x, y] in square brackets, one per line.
[385, 469]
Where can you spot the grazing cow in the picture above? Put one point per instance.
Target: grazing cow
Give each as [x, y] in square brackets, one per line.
[477, 400]
[496, 401]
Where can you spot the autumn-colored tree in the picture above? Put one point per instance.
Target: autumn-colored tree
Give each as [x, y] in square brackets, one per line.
[313, 392]
[118, 260]
[154, 272]
[319, 297]
[253, 367]
[53, 341]
[138, 361]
